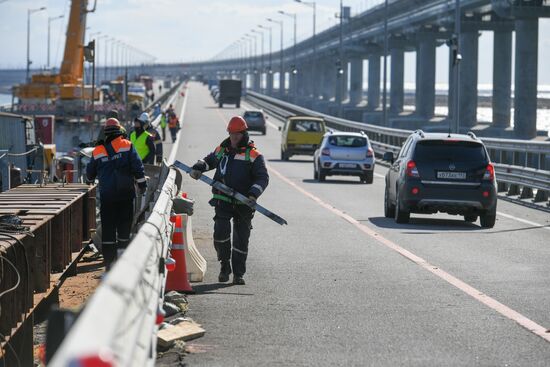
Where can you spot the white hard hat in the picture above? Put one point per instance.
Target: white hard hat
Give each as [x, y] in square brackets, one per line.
[144, 117]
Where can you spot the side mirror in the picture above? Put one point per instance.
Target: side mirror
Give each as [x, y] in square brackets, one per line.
[280, 128]
[388, 156]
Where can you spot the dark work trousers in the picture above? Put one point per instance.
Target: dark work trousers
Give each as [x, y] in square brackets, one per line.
[242, 224]
[173, 132]
[163, 129]
[116, 222]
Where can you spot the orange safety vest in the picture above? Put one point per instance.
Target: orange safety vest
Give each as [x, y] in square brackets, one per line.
[173, 123]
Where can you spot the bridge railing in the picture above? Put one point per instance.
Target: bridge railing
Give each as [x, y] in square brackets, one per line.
[118, 322]
[513, 158]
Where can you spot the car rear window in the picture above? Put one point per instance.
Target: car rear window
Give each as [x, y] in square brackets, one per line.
[253, 114]
[456, 151]
[306, 126]
[347, 141]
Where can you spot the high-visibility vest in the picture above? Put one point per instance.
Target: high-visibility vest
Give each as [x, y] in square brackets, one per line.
[163, 121]
[173, 122]
[140, 143]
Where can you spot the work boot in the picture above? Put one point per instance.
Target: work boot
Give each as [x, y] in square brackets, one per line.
[224, 272]
[238, 280]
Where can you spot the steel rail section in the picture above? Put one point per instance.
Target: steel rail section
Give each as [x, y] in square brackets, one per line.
[119, 320]
[384, 139]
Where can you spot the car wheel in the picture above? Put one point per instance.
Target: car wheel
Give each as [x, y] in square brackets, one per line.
[264, 131]
[238, 105]
[315, 174]
[488, 218]
[401, 215]
[368, 178]
[220, 105]
[389, 210]
[470, 218]
[284, 155]
[322, 175]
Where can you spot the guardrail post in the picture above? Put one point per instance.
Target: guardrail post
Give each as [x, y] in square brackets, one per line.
[526, 193]
[541, 196]
[513, 190]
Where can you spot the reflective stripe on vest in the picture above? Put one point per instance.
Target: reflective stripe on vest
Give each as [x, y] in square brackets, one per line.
[140, 143]
[227, 199]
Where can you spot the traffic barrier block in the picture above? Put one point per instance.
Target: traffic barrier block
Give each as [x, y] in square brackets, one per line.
[177, 279]
[196, 264]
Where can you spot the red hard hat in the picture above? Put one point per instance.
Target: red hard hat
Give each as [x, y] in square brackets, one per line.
[236, 125]
[112, 122]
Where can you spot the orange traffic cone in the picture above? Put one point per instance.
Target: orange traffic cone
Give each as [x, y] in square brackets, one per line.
[177, 279]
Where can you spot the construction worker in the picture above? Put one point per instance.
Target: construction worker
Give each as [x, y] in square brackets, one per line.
[174, 126]
[163, 118]
[116, 165]
[242, 167]
[142, 140]
[157, 140]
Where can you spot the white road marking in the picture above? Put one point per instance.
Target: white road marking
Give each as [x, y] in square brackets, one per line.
[534, 224]
[488, 301]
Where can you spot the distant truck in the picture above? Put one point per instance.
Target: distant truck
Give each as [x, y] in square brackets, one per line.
[230, 92]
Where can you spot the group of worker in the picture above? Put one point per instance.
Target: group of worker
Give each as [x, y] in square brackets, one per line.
[170, 119]
[117, 163]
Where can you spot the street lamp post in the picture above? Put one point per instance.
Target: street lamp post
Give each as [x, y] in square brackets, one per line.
[29, 62]
[312, 5]
[262, 67]
[457, 57]
[385, 79]
[294, 70]
[270, 71]
[50, 20]
[281, 71]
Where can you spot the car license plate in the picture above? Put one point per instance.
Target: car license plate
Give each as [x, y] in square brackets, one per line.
[348, 165]
[451, 175]
[305, 146]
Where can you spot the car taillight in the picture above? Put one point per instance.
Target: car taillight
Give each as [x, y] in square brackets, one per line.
[489, 174]
[370, 153]
[325, 151]
[412, 171]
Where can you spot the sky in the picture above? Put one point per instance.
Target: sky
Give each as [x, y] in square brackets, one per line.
[191, 30]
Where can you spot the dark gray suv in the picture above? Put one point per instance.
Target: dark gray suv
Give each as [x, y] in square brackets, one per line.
[450, 173]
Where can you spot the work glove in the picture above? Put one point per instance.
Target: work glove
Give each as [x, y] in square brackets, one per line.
[251, 200]
[197, 169]
[195, 174]
[142, 188]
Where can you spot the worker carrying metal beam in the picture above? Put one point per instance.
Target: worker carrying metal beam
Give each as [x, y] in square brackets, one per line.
[116, 164]
[240, 166]
[142, 140]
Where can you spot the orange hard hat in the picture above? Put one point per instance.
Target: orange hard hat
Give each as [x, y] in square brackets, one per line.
[236, 125]
[112, 122]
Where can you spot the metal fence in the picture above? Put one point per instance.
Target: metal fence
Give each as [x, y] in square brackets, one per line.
[521, 165]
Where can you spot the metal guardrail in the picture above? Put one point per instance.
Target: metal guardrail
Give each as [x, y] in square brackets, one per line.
[384, 139]
[119, 320]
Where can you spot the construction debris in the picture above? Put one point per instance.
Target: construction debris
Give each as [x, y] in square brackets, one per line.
[184, 330]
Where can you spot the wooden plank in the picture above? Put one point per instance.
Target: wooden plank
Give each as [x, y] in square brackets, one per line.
[185, 330]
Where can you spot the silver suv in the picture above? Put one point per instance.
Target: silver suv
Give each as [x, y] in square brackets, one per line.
[345, 154]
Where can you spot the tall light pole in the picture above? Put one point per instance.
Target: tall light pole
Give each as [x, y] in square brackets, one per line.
[281, 71]
[270, 71]
[97, 51]
[294, 69]
[29, 62]
[385, 79]
[259, 69]
[50, 20]
[313, 6]
[457, 57]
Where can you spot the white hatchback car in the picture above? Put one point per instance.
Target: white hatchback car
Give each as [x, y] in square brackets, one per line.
[345, 154]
